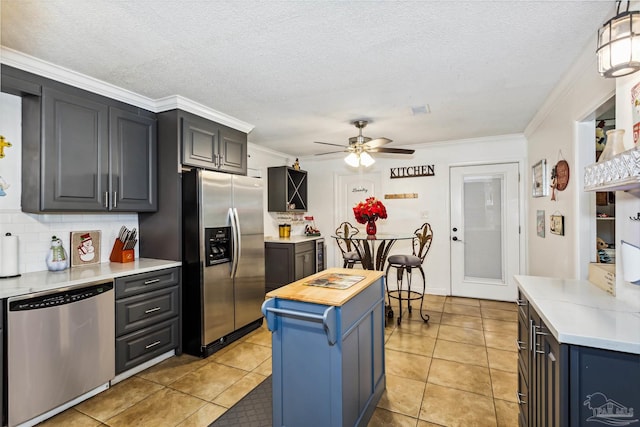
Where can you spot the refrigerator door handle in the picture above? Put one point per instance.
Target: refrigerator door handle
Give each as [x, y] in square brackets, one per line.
[234, 258]
[237, 247]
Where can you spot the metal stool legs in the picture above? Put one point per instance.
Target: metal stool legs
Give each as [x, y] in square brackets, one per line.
[410, 295]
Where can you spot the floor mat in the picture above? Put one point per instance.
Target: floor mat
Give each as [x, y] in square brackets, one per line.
[253, 410]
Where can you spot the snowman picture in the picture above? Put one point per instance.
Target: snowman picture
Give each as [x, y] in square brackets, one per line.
[86, 250]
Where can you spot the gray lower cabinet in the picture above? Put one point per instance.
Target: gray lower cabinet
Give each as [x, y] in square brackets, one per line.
[288, 262]
[84, 152]
[563, 385]
[147, 316]
[210, 145]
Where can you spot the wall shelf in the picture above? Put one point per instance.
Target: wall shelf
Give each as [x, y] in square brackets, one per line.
[620, 173]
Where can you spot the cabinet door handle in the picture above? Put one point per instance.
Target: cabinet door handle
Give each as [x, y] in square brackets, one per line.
[153, 344]
[151, 282]
[521, 345]
[551, 357]
[151, 310]
[521, 303]
[115, 199]
[106, 199]
[519, 397]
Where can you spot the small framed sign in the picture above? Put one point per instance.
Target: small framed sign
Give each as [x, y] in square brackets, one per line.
[540, 223]
[539, 180]
[557, 224]
[85, 247]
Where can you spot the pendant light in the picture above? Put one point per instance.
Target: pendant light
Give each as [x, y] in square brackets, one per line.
[356, 159]
[618, 48]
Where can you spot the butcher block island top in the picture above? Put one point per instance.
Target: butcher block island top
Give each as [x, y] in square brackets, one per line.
[325, 295]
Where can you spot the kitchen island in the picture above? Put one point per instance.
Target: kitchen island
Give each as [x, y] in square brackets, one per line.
[579, 354]
[328, 348]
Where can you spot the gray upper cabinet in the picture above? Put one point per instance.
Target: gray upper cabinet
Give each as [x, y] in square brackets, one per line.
[133, 161]
[287, 189]
[210, 145]
[84, 152]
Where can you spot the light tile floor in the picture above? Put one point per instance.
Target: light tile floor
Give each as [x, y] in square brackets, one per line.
[460, 369]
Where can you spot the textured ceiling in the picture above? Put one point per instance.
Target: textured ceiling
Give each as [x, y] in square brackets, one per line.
[301, 71]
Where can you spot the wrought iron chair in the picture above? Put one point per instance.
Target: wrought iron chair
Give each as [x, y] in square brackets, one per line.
[421, 245]
[350, 254]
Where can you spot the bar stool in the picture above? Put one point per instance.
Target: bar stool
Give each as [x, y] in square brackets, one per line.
[421, 244]
[349, 253]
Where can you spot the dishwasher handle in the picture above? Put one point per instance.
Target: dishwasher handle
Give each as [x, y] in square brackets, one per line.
[328, 318]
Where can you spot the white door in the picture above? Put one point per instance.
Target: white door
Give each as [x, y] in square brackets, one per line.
[485, 231]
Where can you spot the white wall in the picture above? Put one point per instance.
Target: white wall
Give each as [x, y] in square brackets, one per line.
[552, 135]
[405, 215]
[34, 231]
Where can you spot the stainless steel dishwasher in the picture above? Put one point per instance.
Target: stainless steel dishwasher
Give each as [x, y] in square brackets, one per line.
[60, 345]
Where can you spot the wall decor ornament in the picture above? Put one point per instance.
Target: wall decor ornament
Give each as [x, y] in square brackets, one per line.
[539, 180]
[556, 225]
[540, 223]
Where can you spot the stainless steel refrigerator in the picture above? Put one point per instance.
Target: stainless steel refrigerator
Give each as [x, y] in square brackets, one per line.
[223, 259]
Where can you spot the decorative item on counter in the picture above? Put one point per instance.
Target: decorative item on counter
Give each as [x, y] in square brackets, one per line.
[311, 229]
[284, 231]
[368, 212]
[630, 262]
[57, 259]
[122, 250]
[615, 145]
[85, 247]
[9, 256]
[603, 256]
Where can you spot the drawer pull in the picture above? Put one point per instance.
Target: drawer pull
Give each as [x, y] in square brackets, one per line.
[153, 344]
[151, 310]
[520, 345]
[151, 282]
[521, 303]
[519, 397]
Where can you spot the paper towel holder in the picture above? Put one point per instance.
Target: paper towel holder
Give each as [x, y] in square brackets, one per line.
[1, 254]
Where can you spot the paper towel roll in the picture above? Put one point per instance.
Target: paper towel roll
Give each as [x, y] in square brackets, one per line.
[9, 256]
[630, 262]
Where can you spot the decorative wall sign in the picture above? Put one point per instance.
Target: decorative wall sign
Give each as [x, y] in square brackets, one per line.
[540, 223]
[412, 171]
[401, 196]
[85, 247]
[635, 111]
[539, 181]
[557, 224]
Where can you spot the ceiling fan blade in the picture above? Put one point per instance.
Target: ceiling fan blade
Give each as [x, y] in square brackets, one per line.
[328, 143]
[330, 152]
[374, 143]
[391, 150]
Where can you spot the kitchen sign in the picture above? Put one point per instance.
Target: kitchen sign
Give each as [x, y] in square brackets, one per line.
[413, 171]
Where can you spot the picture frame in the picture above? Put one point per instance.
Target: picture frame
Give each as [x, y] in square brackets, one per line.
[540, 223]
[539, 179]
[556, 225]
[85, 247]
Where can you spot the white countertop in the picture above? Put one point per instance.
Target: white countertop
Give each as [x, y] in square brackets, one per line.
[47, 280]
[577, 312]
[292, 239]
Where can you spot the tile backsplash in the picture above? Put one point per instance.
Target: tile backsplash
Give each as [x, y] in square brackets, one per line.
[34, 233]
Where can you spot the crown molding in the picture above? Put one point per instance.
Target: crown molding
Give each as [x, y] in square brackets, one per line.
[46, 69]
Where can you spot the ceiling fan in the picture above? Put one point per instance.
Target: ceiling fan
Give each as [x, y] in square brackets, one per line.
[360, 146]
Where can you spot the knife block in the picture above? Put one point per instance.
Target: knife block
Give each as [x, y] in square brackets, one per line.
[118, 254]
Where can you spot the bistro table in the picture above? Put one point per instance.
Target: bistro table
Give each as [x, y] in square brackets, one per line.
[374, 249]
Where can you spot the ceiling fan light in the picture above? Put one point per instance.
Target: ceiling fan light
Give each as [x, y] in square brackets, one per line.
[352, 160]
[366, 159]
[618, 48]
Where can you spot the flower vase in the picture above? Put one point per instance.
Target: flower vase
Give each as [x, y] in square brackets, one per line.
[371, 227]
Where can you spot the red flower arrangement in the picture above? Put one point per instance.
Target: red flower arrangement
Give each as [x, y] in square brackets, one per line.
[369, 210]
